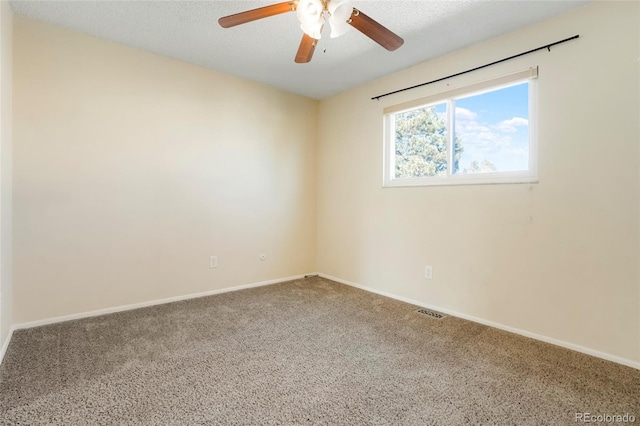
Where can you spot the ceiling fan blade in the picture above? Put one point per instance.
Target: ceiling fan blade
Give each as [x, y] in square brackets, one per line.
[259, 13]
[375, 31]
[306, 49]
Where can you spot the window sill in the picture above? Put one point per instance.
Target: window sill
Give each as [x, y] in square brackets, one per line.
[459, 181]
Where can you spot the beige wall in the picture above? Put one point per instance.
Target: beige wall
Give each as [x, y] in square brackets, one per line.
[131, 169]
[571, 272]
[6, 36]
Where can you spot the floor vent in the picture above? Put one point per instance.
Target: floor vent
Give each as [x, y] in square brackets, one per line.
[436, 315]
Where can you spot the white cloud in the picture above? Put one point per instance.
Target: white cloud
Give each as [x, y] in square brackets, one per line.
[473, 133]
[511, 126]
[517, 121]
[463, 114]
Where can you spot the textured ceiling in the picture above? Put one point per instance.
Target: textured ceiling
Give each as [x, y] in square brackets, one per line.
[264, 50]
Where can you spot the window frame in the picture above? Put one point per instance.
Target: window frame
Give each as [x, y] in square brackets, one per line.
[526, 176]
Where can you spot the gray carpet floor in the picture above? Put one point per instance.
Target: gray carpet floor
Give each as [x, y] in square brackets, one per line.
[309, 351]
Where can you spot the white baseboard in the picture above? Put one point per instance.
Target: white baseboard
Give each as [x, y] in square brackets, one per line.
[567, 345]
[546, 339]
[5, 344]
[98, 312]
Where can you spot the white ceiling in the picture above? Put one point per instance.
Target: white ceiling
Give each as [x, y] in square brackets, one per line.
[264, 50]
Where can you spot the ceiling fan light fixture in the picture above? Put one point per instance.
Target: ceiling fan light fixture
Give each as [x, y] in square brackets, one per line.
[311, 16]
[313, 30]
[339, 14]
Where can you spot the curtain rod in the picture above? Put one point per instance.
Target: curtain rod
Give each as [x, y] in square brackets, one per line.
[547, 46]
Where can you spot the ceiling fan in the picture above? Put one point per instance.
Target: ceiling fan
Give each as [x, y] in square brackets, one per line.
[312, 15]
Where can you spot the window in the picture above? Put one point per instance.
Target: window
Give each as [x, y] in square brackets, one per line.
[483, 133]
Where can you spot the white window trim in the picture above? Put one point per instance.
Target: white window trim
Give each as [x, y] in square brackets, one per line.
[528, 176]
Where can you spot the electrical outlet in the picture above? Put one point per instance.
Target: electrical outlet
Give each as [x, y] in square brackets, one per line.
[213, 262]
[428, 272]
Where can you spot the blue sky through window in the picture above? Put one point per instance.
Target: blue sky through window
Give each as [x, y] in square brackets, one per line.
[494, 127]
